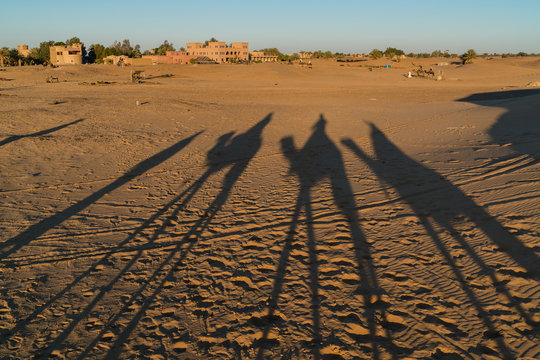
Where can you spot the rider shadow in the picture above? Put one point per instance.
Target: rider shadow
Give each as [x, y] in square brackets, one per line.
[230, 151]
[320, 160]
[13, 138]
[443, 206]
[235, 152]
[519, 126]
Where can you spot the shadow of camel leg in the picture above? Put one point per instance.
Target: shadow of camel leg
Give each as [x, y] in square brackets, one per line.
[280, 275]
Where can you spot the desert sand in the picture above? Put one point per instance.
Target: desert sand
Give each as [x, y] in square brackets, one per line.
[271, 211]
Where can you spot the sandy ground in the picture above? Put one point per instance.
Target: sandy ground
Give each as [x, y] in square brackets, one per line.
[270, 211]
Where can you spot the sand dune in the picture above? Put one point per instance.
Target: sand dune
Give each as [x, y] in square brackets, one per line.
[271, 211]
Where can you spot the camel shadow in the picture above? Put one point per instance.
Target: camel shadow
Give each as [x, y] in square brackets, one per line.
[40, 228]
[319, 161]
[233, 152]
[437, 202]
[13, 138]
[519, 127]
[36, 230]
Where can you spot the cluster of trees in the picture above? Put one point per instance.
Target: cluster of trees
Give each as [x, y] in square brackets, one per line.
[98, 52]
[468, 55]
[163, 48]
[390, 52]
[276, 52]
[319, 54]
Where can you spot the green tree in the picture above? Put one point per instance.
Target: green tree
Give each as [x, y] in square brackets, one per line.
[271, 52]
[163, 48]
[42, 54]
[126, 48]
[390, 52]
[91, 56]
[293, 57]
[212, 39]
[319, 54]
[468, 56]
[97, 52]
[73, 40]
[376, 54]
[136, 53]
[10, 57]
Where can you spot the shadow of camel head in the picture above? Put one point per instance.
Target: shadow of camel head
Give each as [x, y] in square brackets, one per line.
[519, 126]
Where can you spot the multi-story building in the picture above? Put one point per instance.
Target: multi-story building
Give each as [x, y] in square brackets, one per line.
[218, 51]
[66, 55]
[23, 50]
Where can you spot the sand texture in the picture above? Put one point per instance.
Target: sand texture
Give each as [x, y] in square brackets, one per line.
[271, 211]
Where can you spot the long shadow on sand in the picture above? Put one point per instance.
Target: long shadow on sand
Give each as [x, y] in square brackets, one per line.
[13, 138]
[40, 228]
[230, 151]
[442, 206]
[317, 161]
[520, 125]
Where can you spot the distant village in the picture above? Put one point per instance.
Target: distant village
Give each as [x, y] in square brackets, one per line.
[210, 52]
[73, 52]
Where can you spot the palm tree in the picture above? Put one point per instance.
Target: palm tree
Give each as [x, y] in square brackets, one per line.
[468, 56]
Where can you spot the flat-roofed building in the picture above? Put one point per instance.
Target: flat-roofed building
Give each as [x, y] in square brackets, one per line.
[259, 56]
[219, 51]
[215, 50]
[66, 55]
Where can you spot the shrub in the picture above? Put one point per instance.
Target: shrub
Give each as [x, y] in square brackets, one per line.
[376, 54]
[468, 56]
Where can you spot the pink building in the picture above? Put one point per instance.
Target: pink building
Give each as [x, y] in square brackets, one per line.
[216, 50]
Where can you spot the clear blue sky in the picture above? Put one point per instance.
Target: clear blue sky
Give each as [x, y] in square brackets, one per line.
[293, 25]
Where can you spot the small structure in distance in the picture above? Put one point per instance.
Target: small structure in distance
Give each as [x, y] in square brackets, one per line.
[23, 50]
[66, 55]
[122, 60]
[259, 56]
